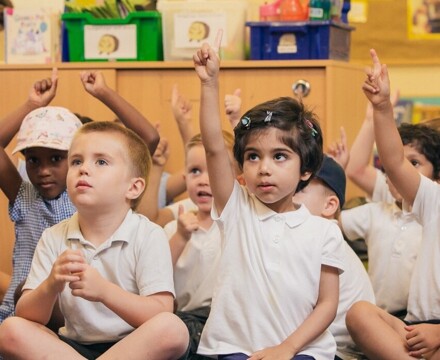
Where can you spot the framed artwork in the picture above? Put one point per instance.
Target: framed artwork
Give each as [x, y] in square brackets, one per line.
[423, 18]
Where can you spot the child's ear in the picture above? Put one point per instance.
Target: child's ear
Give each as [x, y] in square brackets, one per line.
[137, 186]
[306, 176]
[331, 206]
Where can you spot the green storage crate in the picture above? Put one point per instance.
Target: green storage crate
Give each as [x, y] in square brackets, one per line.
[137, 37]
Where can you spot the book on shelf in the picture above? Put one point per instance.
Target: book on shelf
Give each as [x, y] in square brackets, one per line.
[32, 35]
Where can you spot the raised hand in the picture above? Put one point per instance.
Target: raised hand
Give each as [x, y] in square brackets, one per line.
[93, 82]
[377, 85]
[207, 60]
[233, 107]
[181, 107]
[43, 91]
[162, 153]
[339, 150]
[187, 223]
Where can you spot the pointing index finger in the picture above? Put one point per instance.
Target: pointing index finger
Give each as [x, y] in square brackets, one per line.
[377, 67]
[218, 41]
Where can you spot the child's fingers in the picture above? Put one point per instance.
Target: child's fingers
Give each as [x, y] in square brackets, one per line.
[54, 76]
[369, 88]
[218, 41]
[377, 67]
[180, 210]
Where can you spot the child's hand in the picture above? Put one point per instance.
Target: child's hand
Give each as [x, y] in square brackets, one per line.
[43, 91]
[93, 82]
[233, 107]
[90, 284]
[187, 223]
[162, 153]
[422, 339]
[207, 61]
[181, 107]
[280, 352]
[377, 85]
[65, 269]
[339, 150]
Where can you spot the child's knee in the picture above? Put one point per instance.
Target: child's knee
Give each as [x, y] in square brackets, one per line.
[11, 334]
[174, 332]
[357, 313]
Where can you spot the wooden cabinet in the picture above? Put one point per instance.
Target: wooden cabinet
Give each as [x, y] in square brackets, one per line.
[335, 95]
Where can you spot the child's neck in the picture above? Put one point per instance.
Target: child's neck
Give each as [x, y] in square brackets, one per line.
[98, 228]
[205, 219]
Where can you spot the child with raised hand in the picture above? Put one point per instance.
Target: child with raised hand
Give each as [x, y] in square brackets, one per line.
[195, 243]
[44, 138]
[278, 282]
[109, 267]
[379, 334]
[360, 170]
[324, 196]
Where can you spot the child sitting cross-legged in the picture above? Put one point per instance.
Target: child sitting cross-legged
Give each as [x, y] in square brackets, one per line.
[109, 267]
[324, 196]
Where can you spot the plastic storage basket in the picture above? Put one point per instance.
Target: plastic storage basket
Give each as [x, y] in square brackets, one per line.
[137, 37]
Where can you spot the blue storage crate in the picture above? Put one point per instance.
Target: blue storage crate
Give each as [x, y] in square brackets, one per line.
[299, 40]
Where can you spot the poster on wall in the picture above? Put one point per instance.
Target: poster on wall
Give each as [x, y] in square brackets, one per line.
[423, 19]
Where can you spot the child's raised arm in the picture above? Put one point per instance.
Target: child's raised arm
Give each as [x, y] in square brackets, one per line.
[41, 94]
[402, 174]
[221, 173]
[94, 84]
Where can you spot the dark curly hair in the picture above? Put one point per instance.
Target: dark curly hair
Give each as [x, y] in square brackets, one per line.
[426, 140]
[301, 131]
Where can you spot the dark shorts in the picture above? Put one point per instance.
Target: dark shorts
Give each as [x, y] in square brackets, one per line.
[195, 321]
[239, 356]
[434, 321]
[89, 351]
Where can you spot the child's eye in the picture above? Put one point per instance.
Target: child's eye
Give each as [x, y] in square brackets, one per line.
[252, 156]
[56, 158]
[195, 171]
[32, 160]
[101, 162]
[75, 162]
[415, 163]
[280, 156]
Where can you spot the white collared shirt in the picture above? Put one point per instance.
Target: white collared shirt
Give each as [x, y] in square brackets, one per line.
[136, 258]
[269, 277]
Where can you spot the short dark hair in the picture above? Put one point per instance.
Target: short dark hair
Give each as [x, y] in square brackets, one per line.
[300, 126]
[426, 140]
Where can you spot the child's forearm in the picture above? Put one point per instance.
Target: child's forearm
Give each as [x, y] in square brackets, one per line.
[387, 136]
[149, 205]
[133, 308]
[177, 244]
[317, 322]
[130, 117]
[210, 122]
[37, 304]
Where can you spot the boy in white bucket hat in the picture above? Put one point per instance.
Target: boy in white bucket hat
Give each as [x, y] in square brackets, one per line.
[44, 138]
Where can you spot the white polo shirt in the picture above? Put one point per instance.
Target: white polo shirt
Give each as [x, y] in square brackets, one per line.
[354, 285]
[381, 191]
[269, 277]
[393, 240]
[424, 292]
[196, 269]
[136, 258]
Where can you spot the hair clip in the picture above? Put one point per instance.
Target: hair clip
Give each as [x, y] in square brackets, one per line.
[268, 116]
[310, 125]
[246, 122]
